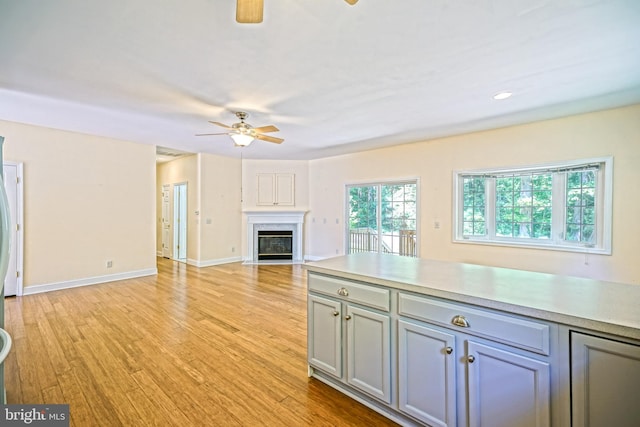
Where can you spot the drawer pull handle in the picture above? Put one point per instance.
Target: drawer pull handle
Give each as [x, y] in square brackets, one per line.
[343, 292]
[460, 321]
[471, 359]
[336, 313]
[448, 350]
[348, 317]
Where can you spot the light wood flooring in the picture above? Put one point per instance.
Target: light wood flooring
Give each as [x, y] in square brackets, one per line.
[215, 346]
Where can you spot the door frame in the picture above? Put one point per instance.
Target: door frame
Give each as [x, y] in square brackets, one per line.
[177, 216]
[165, 223]
[18, 241]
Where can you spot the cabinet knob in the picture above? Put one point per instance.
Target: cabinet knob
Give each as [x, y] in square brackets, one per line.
[448, 350]
[471, 359]
[347, 317]
[460, 321]
[336, 313]
[343, 292]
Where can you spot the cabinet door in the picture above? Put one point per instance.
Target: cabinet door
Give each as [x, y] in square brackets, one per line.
[506, 389]
[369, 352]
[426, 374]
[285, 190]
[324, 333]
[266, 189]
[605, 382]
[275, 189]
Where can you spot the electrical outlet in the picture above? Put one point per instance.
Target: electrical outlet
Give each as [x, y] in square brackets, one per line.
[109, 264]
[233, 248]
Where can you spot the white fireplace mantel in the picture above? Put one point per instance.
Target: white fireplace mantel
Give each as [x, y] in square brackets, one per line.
[274, 220]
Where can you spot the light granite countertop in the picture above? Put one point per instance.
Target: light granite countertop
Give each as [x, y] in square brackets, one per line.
[591, 304]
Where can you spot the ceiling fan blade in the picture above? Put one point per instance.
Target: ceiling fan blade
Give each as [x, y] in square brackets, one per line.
[269, 139]
[351, 2]
[266, 129]
[221, 125]
[209, 134]
[249, 11]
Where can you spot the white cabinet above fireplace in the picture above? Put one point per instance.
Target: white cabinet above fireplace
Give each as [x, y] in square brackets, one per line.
[275, 189]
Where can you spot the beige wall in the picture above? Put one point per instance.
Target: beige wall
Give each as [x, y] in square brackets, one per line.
[86, 200]
[609, 133]
[220, 209]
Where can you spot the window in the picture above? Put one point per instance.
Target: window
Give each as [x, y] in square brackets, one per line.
[560, 206]
[382, 218]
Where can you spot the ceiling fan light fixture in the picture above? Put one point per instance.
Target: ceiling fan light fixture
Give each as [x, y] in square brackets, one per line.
[242, 139]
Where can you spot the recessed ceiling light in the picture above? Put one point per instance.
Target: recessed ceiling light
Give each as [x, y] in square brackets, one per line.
[502, 95]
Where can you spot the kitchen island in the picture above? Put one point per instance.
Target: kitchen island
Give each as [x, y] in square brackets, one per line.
[439, 343]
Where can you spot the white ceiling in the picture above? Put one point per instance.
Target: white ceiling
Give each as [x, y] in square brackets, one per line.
[334, 78]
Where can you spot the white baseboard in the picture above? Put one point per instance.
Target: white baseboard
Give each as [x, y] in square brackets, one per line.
[48, 287]
[210, 262]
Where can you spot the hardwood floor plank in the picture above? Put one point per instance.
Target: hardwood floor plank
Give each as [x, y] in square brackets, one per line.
[222, 345]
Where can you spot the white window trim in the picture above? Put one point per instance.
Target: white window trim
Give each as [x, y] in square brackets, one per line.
[604, 209]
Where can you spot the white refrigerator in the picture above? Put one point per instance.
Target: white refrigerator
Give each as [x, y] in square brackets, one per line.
[5, 339]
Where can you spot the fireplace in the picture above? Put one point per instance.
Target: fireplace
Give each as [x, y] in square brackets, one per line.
[274, 236]
[275, 245]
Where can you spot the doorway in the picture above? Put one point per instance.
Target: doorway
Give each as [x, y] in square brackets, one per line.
[180, 222]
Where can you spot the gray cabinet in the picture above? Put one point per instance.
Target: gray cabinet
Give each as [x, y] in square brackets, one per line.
[325, 334]
[506, 388]
[427, 374]
[368, 352]
[422, 360]
[605, 382]
[349, 334]
[448, 377]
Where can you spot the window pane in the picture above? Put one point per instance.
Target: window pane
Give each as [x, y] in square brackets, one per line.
[573, 233]
[522, 201]
[580, 212]
[363, 220]
[473, 196]
[542, 231]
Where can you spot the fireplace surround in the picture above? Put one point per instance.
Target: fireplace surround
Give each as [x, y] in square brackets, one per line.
[278, 222]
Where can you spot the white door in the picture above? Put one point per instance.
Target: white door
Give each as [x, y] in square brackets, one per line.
[180, 222]
[13, 186]
[166, 222]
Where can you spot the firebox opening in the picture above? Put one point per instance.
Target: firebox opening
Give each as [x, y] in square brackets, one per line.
[275, 244]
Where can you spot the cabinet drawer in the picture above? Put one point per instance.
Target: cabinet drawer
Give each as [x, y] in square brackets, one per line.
[350, 291]
[514, 331]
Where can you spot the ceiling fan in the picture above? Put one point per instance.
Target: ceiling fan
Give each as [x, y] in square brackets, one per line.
[243, 133]
[250, 11]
